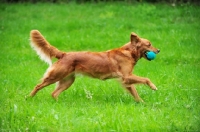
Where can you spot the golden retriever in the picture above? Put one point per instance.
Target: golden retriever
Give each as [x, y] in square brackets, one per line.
[115, 63]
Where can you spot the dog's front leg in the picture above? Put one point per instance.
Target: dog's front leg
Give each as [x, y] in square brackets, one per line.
[134, 92]
[133, 79]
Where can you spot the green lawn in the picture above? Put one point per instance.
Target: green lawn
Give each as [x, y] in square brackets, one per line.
[90, 104]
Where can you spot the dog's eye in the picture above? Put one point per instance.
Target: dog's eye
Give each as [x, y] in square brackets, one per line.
[149, 45]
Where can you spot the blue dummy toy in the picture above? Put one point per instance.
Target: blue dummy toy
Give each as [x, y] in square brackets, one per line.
[150, 55]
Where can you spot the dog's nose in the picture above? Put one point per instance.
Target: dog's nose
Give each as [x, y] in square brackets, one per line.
[158, 51]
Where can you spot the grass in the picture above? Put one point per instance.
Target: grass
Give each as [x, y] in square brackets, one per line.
[90, 104]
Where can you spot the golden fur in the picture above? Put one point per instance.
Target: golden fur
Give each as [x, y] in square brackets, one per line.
[115, 63]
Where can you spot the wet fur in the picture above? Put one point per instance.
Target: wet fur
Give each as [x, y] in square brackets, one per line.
[115, 63]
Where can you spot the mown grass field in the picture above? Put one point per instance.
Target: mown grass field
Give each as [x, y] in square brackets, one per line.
[90, 104]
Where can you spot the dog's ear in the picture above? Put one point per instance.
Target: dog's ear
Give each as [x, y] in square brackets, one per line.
[134, 38]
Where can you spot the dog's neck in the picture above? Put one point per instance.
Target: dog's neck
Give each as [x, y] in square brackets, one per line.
[136, 55]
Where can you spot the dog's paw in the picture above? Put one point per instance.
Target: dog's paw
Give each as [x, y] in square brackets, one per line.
[153, 87]
[27, 97]
[139, 100]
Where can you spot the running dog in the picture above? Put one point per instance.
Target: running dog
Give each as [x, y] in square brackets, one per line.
[115, 63]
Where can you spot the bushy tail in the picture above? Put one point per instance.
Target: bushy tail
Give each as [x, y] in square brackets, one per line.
[43, 48]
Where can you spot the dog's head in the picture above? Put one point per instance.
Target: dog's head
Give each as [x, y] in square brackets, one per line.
[142, 46]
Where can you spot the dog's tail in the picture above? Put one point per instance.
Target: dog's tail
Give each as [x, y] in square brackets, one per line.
[43, 48]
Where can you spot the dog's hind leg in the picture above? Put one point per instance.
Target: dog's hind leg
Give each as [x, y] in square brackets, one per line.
[46, 81]
[52, 75]
[63, 85]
